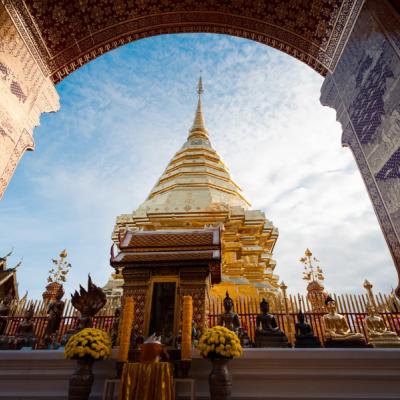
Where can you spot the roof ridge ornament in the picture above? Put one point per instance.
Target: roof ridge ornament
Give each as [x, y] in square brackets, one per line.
[198, 127]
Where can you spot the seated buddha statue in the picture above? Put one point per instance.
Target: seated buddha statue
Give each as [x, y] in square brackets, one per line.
[337, 331]
[378, 334]
[268, 333]
[229, 319]
[304, 333]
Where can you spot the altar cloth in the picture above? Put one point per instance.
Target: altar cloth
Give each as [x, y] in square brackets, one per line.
[147, 381]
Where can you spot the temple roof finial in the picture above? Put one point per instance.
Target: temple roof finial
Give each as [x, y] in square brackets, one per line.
[198, 127]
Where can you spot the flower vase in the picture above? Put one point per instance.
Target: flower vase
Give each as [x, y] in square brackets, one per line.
[81, 381]
[220, 380]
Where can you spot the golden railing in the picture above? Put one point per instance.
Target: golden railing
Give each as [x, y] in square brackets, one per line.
[352, 306]
[103, 320]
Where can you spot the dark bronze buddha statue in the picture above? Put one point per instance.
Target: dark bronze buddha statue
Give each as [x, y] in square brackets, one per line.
[54, 311]
[229, 319]
[115, 326]
[25, 334]
[268, 333]
[244, 337]
[304, 333]
[5, 307]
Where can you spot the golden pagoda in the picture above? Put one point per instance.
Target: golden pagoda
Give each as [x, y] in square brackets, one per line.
[196, 191]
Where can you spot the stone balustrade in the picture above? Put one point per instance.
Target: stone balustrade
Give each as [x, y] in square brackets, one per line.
[296, 374]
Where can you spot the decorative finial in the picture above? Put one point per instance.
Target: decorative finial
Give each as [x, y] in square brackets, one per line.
[200, 87]
[198, 128]
[312, 270]
[58, 273]
[367, 284]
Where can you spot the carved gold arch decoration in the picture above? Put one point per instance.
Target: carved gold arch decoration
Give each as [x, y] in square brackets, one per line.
[68, 34]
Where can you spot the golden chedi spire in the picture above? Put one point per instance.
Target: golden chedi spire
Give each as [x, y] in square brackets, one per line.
[196, 179]
[198, 127]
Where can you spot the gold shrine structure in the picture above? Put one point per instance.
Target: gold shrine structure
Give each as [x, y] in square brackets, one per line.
[196, 193]
[159, 268]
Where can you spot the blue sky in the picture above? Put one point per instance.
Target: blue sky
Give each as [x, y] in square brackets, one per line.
[124, 115]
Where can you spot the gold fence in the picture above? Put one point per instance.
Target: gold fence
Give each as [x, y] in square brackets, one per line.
[19, 308]
[285, 309]
[103, 320]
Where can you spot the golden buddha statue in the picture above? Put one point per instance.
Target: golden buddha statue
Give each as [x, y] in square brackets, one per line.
[378, 334]
[337, 331]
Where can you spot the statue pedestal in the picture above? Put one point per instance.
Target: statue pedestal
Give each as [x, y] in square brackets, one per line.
[271, 340]
[307, 342]
[354, 343]
[385, 342]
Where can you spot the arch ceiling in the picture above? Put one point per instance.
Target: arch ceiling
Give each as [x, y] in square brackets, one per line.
[67, 34]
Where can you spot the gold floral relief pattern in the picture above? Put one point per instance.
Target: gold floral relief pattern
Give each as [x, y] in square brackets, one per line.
[139, 297]
[71, 33]
[198, 293]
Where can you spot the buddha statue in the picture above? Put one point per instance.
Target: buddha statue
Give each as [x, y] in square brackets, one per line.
[378, 334]
[115, 326]
[54, 311]
[196, 333]
[304, 333]
[4, 311]
[337, 331]
[268, 333]
[25, 334]
[244, 337]
[229, 319]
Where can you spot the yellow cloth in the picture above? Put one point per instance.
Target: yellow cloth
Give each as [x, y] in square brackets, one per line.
[151, 381]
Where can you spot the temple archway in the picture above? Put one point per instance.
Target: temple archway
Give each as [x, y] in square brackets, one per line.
[69, 35]
[352, 42]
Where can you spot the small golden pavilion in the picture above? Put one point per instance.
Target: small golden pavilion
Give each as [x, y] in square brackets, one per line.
[197, 192]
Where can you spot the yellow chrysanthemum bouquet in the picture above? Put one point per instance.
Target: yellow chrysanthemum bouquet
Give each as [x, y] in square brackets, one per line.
[219, 342]
[89, 343]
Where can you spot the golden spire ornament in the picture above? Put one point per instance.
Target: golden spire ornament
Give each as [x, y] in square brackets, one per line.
[198, 127]
[311, 272]
[314, 275]
[370, 294]
[57, 276]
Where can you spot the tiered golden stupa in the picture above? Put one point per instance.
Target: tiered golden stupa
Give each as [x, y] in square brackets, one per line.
[196, 190]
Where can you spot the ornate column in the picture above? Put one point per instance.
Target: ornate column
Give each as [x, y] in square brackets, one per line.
[26, 91]
[137, 283]
[364, 89]
[193, 282]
